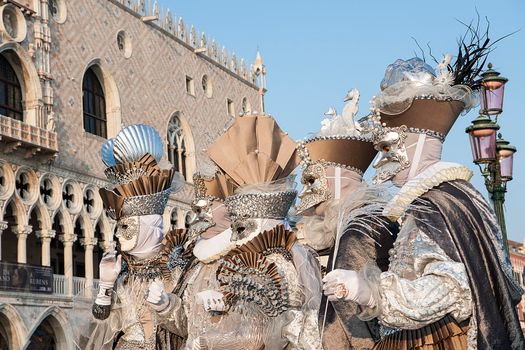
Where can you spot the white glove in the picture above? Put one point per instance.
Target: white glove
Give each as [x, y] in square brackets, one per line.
[157, 296]
[211, 300]
[348, 285]
[109, 269]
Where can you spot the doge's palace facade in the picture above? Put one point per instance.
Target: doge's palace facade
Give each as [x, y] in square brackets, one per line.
[72, 73]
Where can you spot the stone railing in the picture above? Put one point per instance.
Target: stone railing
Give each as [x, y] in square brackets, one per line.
[59, 285]
[79, 286]
[15, 133]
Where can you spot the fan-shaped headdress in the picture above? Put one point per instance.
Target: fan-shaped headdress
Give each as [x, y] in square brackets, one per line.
[142, 182]
[258, 157]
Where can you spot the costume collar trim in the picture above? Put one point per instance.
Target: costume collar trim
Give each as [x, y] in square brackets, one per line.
[208, 250]
[431, 177]
[171, 256]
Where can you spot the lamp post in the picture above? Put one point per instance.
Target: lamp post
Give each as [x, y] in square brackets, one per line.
[493, 155]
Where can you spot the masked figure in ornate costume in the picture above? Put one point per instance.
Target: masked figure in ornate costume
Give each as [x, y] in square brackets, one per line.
[449, 284]
[147, 259]
[333, 165]
[254, 287]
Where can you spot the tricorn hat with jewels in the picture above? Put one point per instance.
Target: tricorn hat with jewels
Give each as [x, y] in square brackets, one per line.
[142, 183]
[258, 157]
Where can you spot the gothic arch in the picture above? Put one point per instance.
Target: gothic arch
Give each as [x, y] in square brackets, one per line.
[66, 222]
[11, 320]
[27, 74]
[60, 324]
[18, 210]
[86, 225]
[42, 215]
[177, 122]
[111, 93]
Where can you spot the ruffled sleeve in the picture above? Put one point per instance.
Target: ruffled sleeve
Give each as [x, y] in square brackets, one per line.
[422, 285]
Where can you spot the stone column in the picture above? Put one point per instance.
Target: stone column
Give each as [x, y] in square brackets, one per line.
[21, 235]
[181, 218]
[3, 226]
[46, 236]
[68, 241]
[88, 244]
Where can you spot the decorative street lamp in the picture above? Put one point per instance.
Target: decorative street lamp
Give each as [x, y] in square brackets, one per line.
[493, 156]
[492, 89]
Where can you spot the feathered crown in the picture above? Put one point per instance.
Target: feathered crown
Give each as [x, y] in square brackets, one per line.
[255, 151]
[142, 182]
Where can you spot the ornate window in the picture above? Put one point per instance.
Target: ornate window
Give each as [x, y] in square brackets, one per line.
[10, 91]
[177, 145]
[231, 107]
[188, 219]
[206, 86]
[245, 106]
[94, 104]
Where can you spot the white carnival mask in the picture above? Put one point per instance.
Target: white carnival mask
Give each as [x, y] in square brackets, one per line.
[392, 156]
[315, 187]
[127, 232]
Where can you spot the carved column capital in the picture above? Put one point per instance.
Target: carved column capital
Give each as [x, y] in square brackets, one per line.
[45, 234]
[3, 226]
[67, 239]
[23, 231]
[88, 242]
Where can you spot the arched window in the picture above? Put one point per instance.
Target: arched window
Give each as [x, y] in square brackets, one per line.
[177, 145]
[94, 104]
[10, 91]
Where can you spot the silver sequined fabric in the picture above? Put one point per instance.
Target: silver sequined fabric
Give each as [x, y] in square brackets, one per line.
[422, 284]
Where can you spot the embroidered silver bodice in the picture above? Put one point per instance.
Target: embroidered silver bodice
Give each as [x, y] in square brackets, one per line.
[422, 284]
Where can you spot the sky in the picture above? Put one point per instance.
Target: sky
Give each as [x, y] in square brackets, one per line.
[315, 51]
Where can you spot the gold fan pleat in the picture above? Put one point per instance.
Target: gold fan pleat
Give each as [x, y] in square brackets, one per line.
[277, 237]
[172, 240]
[250, 260]
[145, 185]
[218, 186]
[146, 166]
[254, 150]
[445, 334]
[112, 201]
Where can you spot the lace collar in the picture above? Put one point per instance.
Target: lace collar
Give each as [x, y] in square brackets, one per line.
[431, 177]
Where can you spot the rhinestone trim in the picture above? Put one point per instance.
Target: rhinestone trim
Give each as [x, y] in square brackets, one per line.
[305, 156]
[146, 205]
[260, 205]
[428, 132]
